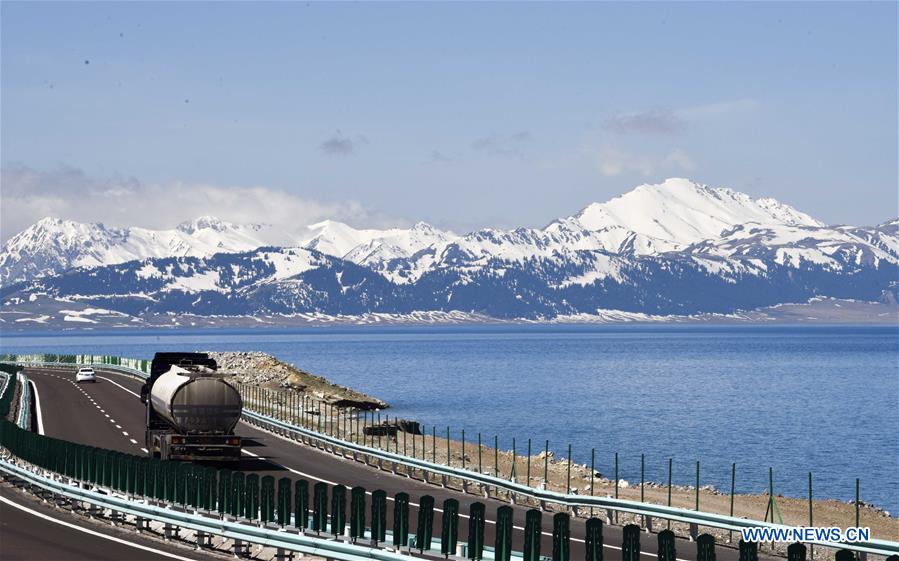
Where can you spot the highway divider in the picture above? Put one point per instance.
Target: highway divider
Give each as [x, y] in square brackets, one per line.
[234, 505]
[376, 456]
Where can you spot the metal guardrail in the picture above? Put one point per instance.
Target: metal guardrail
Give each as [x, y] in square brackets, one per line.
[4, 382]
[23, 419]
[724, 522]
[699, 518]
[328, 548]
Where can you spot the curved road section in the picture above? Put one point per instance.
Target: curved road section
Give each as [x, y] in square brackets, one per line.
[109, 414]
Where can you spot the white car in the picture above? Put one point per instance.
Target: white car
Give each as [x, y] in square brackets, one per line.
[85, 374]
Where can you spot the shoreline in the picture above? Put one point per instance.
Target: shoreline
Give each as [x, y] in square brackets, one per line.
[794, 510]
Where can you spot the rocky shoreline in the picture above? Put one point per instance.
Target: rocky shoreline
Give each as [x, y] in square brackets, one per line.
[266, 371]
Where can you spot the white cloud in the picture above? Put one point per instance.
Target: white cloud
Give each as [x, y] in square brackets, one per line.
[29, 195]
[615, 161]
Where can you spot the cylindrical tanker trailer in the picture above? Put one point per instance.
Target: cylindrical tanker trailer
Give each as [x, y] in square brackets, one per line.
[191, 409]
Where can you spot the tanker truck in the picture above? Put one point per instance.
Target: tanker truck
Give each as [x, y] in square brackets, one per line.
[191, 409]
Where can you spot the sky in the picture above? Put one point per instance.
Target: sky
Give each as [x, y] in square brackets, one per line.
[463, 115]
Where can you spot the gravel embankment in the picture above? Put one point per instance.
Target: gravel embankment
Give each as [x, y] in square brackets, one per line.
[266, 371]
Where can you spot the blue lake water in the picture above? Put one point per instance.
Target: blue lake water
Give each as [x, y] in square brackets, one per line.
[822, 399]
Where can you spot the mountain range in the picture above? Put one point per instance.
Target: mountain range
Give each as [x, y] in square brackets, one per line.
[675, 249]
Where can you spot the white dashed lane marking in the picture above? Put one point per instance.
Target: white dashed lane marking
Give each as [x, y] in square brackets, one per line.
[133, 441]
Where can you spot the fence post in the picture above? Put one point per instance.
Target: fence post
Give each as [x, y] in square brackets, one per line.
[378, 516]
[796, 552]
[480, 466]
[592, 473]
[449, 535]
[667, 546]
[338, 510]
[267, 514]
[843, 555]
[561, 537]
[238, 493]
[630, 545]
[319, 507]
[284, 506]
[533, 530]
[529, 464]
[301, 504]
[401, 520]
[463, 448]
[749, 551]
[593, 540]
[503, 543]
[252, 502]
[357, 513]
[705, 548]
[476, 531]
[425, 528]
[670, 461]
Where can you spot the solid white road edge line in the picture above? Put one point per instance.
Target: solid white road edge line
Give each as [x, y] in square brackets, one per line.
[37, 407]
[91, 532]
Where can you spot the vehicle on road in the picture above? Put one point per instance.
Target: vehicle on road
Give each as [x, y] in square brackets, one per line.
[85, 374]
[191, 409]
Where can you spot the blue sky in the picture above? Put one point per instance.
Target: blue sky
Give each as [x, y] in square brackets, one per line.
[463, 115]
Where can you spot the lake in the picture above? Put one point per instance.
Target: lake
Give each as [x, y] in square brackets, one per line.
[796, 398]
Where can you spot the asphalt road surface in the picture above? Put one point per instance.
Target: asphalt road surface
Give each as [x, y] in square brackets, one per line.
[109, 414]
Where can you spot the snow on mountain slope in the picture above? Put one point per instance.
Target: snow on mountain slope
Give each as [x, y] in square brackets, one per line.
[677, 213]
[724, 231]
[53, 245]
[370, 246]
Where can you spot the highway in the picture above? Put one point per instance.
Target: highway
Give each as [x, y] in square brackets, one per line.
[109, 414]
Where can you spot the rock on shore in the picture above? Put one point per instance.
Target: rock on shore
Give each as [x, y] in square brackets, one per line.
[266, 371]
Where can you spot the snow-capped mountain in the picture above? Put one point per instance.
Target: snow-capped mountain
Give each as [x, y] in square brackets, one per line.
[52, 245]
[674, 248]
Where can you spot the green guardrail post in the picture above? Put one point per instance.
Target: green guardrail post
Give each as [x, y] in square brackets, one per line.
[211, 491]
[630, 544]
[561, 537]
[338, 510]
[284, 501]
[593, 540]
[224, 491]
[401, 520]
[357, 513]
[424, 531]
[378, 516]
[705, 548]
[268, 499]
[181, 482]
[841, 555]
[238, 493]
[449, 533]
[319, 507]
[533, 532]
[667, 546]
[476, 520]
[796, 552]
[301, 504]
[503, 543]
[251, 504]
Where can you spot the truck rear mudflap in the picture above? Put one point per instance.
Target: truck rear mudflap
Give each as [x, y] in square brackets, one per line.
[204, 452]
